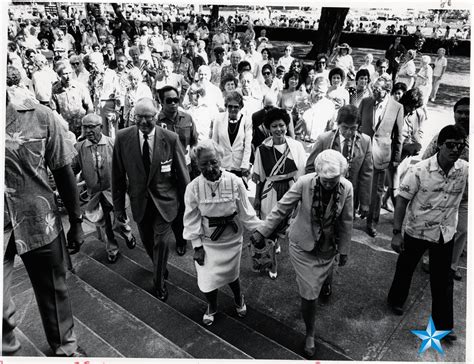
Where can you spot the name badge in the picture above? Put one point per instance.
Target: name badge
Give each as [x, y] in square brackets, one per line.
[166, 166]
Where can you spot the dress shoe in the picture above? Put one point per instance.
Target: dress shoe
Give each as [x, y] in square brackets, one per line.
[457, 275]
[326, 291]
[309, 348]
[131, 243]
[371, 231]
[162, 293]
[397, 310]
[112, 257]
[181, 250]
[10, 344]
[78, 353]
[387, 208]
[451, 336]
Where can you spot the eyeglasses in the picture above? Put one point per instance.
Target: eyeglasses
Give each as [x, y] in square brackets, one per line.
[266, 73]
[451, 145]
[233, 107]
[74, 63]
[172, 100]
[147, 118]
[90, 126]
[321, 62]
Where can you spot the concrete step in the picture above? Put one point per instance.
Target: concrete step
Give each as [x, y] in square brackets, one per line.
[109, 321]
[28, 349]
[255, 320]
[227, 325]
[29, 323]
[171, 324]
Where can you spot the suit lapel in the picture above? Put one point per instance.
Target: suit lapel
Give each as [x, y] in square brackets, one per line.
[157, 149]
[134, 149]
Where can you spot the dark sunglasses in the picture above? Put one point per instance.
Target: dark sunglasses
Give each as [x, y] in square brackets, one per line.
[451, 145]
[233, 106]
[74, 63]
[172, 100]
[266, 73]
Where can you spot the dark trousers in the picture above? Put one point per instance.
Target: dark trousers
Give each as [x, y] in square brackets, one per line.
[441, 278]
[48, 277]
[178, 226]
[156, 235]
[378, 179]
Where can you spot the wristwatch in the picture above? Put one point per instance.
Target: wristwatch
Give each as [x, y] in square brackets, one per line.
[396, 231]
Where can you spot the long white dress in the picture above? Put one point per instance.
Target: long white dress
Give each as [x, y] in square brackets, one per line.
[222, 256]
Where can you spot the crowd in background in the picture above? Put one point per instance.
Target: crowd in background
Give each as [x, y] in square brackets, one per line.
[267, 113]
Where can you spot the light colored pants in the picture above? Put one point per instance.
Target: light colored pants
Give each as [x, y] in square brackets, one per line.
[434, 90]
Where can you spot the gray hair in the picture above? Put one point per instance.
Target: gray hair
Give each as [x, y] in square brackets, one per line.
[330, 164]
[207, 145]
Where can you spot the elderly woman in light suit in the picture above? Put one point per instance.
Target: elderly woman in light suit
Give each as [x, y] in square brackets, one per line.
[232, 130]
[321, 230]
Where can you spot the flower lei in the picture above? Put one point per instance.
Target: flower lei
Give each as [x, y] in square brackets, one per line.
[319, 208]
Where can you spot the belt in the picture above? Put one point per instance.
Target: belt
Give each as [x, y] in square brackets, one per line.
[220, 223]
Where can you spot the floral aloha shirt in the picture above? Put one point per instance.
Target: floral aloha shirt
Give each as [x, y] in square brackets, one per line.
[35, 140]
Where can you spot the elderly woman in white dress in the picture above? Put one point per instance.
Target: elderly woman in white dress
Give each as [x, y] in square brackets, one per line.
[217, 210]
[321, 230]
[424, 79]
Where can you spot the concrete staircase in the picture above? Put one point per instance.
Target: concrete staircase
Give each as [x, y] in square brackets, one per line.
[117, 316]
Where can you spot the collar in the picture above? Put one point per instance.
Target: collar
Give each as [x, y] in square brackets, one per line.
[151, 135]
[88, 143]
[162, 116]
[434, 165]
[383, 102]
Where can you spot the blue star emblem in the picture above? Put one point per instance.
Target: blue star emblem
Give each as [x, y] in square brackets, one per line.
[431, 337]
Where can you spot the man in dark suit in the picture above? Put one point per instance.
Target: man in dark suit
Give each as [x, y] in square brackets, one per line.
[148, 163]
[382, 120]
[357, 149]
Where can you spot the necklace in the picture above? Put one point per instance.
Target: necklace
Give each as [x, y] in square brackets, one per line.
[281, 168]
[214, 190]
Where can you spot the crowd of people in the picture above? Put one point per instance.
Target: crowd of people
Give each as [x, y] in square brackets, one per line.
[173, 126]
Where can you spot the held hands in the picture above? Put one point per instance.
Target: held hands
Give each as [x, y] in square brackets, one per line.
[257, 204]
[398, 245]
[342, 260]
[75, 238]
[245, 172]
[257, 239]
[199, 255]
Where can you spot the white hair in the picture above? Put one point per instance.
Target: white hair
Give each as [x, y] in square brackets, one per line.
[207, 145]
[330, 164]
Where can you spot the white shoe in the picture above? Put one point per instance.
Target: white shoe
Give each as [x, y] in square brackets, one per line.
[242, 309]
[273, 275]
[208, 318]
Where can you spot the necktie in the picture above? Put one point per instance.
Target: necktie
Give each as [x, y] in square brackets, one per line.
[345, 148]
[146, 154]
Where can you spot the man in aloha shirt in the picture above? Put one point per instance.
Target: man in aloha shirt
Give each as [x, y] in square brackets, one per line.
[429, 195]
[35, 140]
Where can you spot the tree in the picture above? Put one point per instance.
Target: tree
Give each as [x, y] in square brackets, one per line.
[330, 28]
[119, 16]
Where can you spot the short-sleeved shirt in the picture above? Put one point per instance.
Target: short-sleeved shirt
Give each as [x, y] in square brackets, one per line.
[72, 103]
[184, 126]
[35, 139]
[434, 198]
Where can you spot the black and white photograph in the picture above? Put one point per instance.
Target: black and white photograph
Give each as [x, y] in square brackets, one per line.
[272, 181]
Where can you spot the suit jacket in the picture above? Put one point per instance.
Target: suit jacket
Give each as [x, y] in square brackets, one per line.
[237, 155]
[166, 182]
[361, 166]
[387, 138]
[303, 231]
